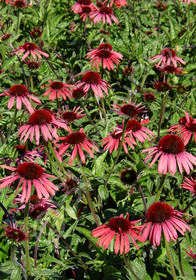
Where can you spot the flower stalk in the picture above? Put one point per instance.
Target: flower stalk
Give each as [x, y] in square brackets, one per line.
[170, 258]
[130, 268]
[28, 264]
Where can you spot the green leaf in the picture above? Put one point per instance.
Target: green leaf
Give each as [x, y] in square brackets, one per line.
[103, 192]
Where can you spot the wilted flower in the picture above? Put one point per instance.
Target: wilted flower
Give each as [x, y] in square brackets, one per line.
[128, 176]
[36, 32]
[33, 64]
[171, 69]
[149, 97]
[78, 92]
[5, 37]
[121, 230]
[161, 86]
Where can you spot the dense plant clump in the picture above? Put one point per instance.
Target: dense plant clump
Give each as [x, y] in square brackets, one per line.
[98, 135]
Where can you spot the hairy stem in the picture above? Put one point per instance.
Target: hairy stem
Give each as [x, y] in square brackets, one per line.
[170, 258]
[163, 104]
[160, 188]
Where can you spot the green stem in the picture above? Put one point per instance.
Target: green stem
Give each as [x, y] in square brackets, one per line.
[119, 151]
[88, 193]
[142, 196]
[190, 203]
[10, 129]
[163, 104]
[88, 117]
[56, 158]
[170, 258]
[160, 188]
[130, 268]
[179, 257]
[28, 264]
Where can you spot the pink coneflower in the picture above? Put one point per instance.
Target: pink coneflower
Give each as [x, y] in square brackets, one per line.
[92, 80]
[41, 123]
[29, 49]
[78, 141]
[189, 184]
[191, 253]
[188, 1]
[106, 55]
[137, 131]
[118, 3]
[29, 174]
[112, 141]
[167, 57]
[186, 127]
[171, 69]
[77, 7]
[57, 89]
[169, 150]
[78, 92]
[105, 14]
[22, 95]
[131, 109]
[71, 115]
[20, 3]
[161, 218]
[121, 229]
[85, 11]
[32, 64]
[16, 234]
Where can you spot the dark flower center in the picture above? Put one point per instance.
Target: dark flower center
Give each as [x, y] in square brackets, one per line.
[35, 199]
[105, 46]
[104, 53]
[36, 33]
[56, 85]
[40, 117]
[29, 46]
[168, 52]
[117, 135]
[105, 10]
[78, 93]
[149, 97]
[181, 89]
[84, 2]
[18, 90]
[19, 3]
[171, 144]
[5, 37]
[133, 125]
[191, 126]
[170, 69]
[21, 149]
[75, 138]
[71, 183]
[69, 116]
[128, 176]
[16, 235]
[182, 121]
[119, 224]
[33, 64]
[129, 110]
[30, 170]
[86, 9]
[162, 86]
[159, 212]
[91, 78]
[38, 211]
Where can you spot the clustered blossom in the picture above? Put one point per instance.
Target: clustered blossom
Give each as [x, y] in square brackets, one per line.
[105, 14]
[29, 174]
[121, 230]
[161, 218]
[170, 150]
